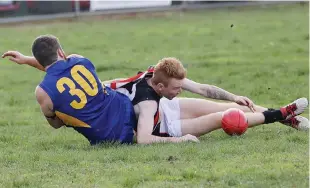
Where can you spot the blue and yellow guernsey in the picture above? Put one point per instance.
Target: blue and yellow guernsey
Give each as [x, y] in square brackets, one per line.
[81, 102]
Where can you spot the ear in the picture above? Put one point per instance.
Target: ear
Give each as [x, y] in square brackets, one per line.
[160, 86]
[61, 53]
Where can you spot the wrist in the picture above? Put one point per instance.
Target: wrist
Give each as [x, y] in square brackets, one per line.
[234, 98]
[174, 139]
[178, 139]
[29, 60]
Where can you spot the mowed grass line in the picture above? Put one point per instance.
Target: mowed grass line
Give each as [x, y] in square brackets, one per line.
[264, 56]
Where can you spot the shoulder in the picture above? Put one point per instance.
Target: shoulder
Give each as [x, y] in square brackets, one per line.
[80, 60]
[75, 56]
[88, 63]
[149, 107]
[145, 93]
[39, 92]
[42, 97]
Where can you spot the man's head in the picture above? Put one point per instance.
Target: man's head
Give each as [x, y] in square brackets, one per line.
[47, 50]
[168, 77]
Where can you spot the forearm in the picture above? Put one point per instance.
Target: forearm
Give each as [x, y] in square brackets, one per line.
[31, 61]
[214, 92]
[149, 139]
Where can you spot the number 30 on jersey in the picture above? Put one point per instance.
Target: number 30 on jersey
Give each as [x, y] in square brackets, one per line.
[90, 90]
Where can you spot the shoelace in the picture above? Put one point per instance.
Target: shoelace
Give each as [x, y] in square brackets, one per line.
[293, 122]
[291, 108]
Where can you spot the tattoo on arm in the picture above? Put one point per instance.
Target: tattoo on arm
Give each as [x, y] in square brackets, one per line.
[218, 93]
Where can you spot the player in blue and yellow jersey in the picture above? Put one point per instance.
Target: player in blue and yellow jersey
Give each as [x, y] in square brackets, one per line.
[71, 95]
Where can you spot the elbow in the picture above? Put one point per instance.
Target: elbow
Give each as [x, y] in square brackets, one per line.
[207, 90]
[56, 126]
[203, 90]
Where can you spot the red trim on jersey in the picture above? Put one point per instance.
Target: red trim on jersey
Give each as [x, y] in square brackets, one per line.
[156, 118]
[135, 77]
[113, 84]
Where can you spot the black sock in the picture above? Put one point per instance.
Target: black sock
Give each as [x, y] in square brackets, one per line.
[273, 116]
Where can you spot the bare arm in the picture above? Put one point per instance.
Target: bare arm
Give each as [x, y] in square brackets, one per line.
[46, 108]
[208, 91]
[214, 92]
[147, 110]
[21, 59]
[31, 61]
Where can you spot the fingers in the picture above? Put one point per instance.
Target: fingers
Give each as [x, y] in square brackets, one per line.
[8, 53]
[196, 140]
[244, 102]
[4, 55]
[13, 59]
[250, 104]
[13, 56]
[252, 109]
[190, 138]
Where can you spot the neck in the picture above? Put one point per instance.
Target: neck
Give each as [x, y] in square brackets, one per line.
[58, 59]
[150, 83]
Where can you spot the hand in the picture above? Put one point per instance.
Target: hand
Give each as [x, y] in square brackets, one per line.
[16, 57]
[189, 137]
[241, 100]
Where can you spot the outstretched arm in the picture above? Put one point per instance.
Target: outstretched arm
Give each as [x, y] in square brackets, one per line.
[213, 92]
[21, 59]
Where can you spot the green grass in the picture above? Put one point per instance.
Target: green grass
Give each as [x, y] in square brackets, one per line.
[264, 56]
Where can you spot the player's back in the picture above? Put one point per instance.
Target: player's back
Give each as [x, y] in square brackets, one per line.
[80, 101]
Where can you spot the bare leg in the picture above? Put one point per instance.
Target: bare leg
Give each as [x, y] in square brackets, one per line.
[193, 107]
[207, 123]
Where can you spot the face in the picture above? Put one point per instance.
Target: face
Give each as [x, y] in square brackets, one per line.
[173, 88]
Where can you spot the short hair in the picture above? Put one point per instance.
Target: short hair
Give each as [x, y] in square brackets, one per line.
[167, 68]
[44, 49]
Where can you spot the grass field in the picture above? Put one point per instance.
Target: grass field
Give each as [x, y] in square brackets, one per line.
[264, 56]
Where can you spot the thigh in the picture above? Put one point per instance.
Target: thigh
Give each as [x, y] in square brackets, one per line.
[201, 125]
[194, 107]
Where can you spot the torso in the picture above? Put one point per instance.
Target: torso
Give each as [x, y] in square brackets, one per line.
[80, 102]
[138, 90]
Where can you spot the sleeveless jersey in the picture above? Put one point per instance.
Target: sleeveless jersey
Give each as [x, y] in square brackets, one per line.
[137, 89]
[81, 102]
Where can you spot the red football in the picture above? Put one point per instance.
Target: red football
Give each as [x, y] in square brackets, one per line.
[234, 122]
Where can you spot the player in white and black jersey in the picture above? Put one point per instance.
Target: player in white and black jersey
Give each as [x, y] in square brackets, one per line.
[160, 113]
[138, 90]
